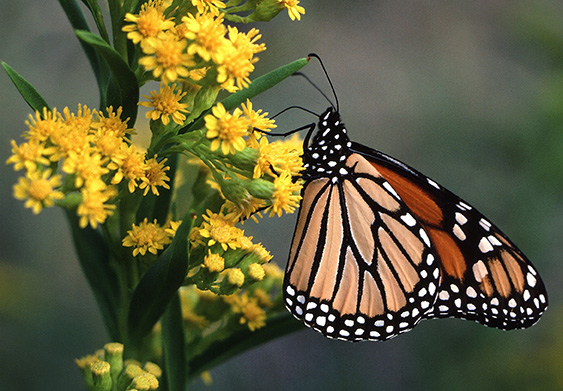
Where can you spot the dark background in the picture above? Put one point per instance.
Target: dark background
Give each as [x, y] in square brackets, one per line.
[470, 93]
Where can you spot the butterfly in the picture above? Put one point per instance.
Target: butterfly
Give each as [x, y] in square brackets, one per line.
[379, 246]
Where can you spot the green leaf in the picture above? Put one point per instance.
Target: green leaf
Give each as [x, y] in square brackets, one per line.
[173, 347]
[78, 22]
[27, 91]
[255, 88]
[220, 350]
[95, 259]
[122, 74]
[98, 17]
[159, 284]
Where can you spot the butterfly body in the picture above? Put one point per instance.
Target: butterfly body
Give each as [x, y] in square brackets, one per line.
[378, 247]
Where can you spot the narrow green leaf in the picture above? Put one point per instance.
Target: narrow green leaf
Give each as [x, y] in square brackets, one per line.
[159, 284]
[219, 351]
[95, 259]
[122, 74]
[100, 69]
[257, 86]
[173, 347]
[27, 91]
[98, 17]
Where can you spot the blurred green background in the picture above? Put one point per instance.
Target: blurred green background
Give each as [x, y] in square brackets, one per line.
[470, 93]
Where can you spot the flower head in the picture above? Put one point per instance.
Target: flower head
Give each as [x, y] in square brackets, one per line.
[94, 208]
[29, 155]
[235, 69]
[149, 23]
[294, 10]
[286, 196]
[38, 189]
[206, 33]
[226, 130]
[145, 237]
[211, 6]
[214, 262]
[220, 229]
[165, 104]
[166, 58]
[155, 175]
[251, 313]
[129, 164]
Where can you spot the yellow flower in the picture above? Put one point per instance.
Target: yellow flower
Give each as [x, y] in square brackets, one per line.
[235, 277]
[112, 123]
[155, 175]
[88, 169]
[79, 122]
[94, 208]
[261, 251]
[256, 272]
[226, 130]
[173, 227]
[258, 120]
[69, 140]
[293, 9]
[252, 314]
[166, 58]
[145, 237]
[29, 155]
[43, 125]
[166, 104]
[239, 59]
[275, 158]
[149, 23]
[207, 35]
[214, 262]
[211, 6]
[246, 209]
[219, 228]
[286, 195]
[38, 189]
[130, 164]
[107, 143]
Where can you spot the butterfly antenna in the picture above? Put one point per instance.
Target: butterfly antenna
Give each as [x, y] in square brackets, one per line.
[316, 88]
[328, 78]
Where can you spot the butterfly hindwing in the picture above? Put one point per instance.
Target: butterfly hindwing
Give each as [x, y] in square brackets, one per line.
[485, 277]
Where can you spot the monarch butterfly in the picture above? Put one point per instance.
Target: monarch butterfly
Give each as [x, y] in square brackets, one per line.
[379, 246]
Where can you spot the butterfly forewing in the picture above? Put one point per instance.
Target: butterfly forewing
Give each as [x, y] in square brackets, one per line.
[361, 266]
[485, 277]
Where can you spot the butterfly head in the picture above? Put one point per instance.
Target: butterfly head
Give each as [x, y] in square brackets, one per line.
[327, 152]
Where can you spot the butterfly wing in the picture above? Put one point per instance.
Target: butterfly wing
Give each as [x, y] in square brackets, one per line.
[361, 266]
[485, 277]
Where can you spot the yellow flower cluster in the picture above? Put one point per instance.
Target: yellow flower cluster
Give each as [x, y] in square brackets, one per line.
[150, 237]
[199, 40]
[203, 309]
[231, 259]
[92, 151]
[106, 370]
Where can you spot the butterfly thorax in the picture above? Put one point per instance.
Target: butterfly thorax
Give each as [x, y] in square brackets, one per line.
[327, 152]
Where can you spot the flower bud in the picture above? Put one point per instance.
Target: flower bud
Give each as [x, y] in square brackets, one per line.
[260, 188]
[113, 354]
[101, 376]
[265, 11]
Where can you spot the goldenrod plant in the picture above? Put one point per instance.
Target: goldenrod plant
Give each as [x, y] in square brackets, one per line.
[157, 229]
